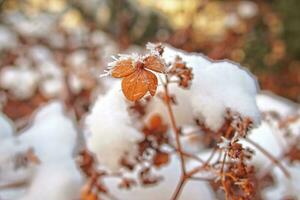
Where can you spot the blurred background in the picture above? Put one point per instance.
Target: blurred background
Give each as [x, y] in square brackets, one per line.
[57, 48]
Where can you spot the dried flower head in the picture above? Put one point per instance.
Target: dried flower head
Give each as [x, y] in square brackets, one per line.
[180, 70]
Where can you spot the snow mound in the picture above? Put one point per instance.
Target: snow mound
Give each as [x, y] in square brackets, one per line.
[53, 138]
[58, 181]
[51, 130]
[111, 134]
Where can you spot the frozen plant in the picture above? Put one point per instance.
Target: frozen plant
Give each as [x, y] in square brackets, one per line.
[168, 100]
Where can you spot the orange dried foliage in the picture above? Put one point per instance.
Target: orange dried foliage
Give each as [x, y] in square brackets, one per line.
[155, 121]
[137, 79]
[161, 159]
[87, 195]
[155, 126]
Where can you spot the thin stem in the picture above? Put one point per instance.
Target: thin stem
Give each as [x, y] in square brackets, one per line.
[211, 156]
[191, 156]
[13, 185]
[179, 188]
[270, 156]
[223, 175]
[196, 178]
[178, 143]
[188, 155]
[174, 127]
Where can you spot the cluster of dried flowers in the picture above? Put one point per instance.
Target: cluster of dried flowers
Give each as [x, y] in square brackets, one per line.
[227, 168]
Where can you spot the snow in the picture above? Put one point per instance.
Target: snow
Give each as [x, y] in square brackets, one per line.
[78, 59]
[266, 102]
[52, 87]
[6, 127]
[11, 77]
[8, 39]
[220, 86]
[51, 130]
[182, 110]
[265, 137]
[111, 134]
[56, 181]
[75, 83]
[10, 149]
[40, 54]
[49, 69]
[53, 137]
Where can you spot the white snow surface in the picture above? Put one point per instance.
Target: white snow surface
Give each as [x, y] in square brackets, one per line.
[11, 77]
[268, 102]
[53, 138]
[111, 134]
[8, 39]
[51, 130]
[55, 181]
[7, 128]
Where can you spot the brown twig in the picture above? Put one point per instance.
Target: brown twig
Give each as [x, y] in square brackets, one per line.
[223, 175]
[178, 143]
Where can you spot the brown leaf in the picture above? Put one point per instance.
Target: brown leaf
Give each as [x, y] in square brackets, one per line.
[147, 178]
[150, 81]
[123, 68]
[160, 159]
[127, 183]
[154, 63]
[87, 194]
[155, 121]
[136, 85]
